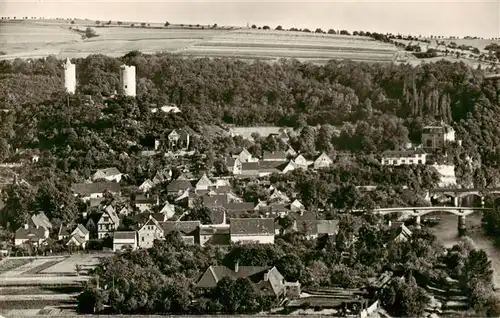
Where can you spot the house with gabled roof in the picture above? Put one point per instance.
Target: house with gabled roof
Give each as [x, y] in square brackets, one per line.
[186, 199]
[64, 232]
[178, 140]
[296, 206]
[162, 176]
[189, 230]
[301, 162]
[233, 165]
[151, 230]
[79, 237]
[107, 224]
[252, 230]
[30, 234]
[284, 137]
[290, 166]
[108, 174]
[278, 196]
[126, 210]
[77, 241]
[243, 155]
[80, 230]
[401, 232]
[290, 152]
[168, 210]
[267, 279]
[204, 183]
[146, 186]
[89, 191]
[145, 202]
[323, 161]
[124, 239]
[40, 220]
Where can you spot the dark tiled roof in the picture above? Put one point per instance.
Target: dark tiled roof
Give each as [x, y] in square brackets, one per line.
[215, 273]
[277, 155]
[252, 226]
[99, 187]
[273, 283]
[270, 165]
[31, 233]
[142, 199]
[179, 185]
[183, 227]
[125, 235]
[240, 207]
[245, 166]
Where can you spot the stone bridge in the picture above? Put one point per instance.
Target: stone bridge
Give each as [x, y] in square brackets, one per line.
[418, 212]
[459, 193]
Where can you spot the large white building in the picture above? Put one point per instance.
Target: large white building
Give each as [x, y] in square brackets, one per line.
[436, 137]
[127, 80]
[405, 157]
[69, 77]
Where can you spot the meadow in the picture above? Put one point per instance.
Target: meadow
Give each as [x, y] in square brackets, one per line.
[34, 38]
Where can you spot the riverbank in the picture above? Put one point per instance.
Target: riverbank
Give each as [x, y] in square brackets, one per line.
[447, 233]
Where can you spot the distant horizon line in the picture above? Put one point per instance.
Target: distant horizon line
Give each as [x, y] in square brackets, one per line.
[23, 18]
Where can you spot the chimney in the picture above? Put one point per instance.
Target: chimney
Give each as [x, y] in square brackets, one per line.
[237, 266]
[26, 226]
[390, 223]
[266, 277]
[224, 220]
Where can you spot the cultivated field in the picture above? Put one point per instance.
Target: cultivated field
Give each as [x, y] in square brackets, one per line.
[43, 271]
[33, 38]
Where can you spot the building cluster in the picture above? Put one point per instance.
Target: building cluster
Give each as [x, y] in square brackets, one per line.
[433, 138]
[233, 219]
[243, 164]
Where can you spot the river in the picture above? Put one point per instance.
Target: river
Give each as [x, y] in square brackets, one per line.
[447, 233]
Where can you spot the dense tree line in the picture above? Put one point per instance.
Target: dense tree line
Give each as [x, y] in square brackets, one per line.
[380, 103]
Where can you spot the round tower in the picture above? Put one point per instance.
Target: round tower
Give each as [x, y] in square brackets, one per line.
[127, 80]
[69, 77]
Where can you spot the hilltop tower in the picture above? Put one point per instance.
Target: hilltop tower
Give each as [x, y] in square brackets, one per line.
[127, 80]
[69, 77]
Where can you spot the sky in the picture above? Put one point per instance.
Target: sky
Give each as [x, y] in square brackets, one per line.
[417, 17]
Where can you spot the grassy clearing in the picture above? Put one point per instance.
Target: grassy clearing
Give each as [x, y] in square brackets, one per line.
[11, 264]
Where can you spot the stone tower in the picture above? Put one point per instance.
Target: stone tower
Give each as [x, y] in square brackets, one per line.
[69, 77]
[127, 80]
